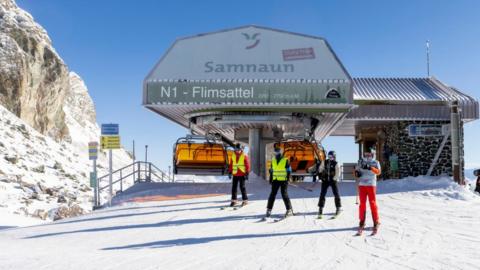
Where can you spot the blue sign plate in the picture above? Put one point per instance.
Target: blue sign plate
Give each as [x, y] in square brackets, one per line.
[110, 129]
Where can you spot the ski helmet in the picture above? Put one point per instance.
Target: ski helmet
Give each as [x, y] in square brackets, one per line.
[238, 147]
[277, 150]
[369, 152]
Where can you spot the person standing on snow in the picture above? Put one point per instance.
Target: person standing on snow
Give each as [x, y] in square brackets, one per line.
[239, 168]
[279, 174]
[366, 172]
[477, 174]
[330, 171]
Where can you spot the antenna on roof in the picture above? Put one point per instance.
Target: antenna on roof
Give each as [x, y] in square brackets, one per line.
[428, 58]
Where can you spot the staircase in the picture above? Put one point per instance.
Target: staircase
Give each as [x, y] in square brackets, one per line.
[129, 175]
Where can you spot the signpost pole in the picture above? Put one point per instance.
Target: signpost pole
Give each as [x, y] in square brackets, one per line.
[110, 140]
[146, 155]
[133, 173]
[96, 197]
[110, 188]
[92, 155]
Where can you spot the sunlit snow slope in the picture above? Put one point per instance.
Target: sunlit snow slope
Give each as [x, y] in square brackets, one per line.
[426, 224]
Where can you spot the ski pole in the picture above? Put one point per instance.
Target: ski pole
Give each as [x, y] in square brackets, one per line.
[356, 186]
[356, 197]
[293, 185]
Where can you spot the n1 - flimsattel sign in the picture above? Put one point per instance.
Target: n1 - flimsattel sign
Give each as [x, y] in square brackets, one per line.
[192, 92]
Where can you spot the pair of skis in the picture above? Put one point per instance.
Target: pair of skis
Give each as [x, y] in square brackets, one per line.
[273, 220]
[333, 217]
[361, 229]
[234, 207]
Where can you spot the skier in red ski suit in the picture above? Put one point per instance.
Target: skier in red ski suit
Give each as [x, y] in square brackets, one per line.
[366, 172]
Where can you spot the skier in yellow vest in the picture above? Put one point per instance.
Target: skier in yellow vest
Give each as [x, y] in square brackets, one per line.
[239, 168]
[279, 175]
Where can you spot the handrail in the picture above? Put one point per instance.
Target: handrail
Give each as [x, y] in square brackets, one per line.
[116, 181]
[158, 176]
[155, 167]
[118, 170]
[123, 168]
[140, 168]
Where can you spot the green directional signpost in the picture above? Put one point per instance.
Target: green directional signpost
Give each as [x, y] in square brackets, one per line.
[92, 155]
[93, 179]
[94, 185]
[110, 139]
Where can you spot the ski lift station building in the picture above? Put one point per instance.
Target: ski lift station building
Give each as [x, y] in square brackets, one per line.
[257, 85]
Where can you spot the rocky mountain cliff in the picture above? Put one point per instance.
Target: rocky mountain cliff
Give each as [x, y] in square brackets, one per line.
[47, 119]
[34, 80]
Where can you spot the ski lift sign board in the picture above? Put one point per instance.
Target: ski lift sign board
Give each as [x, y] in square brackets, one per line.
[422, 130]
[110, 138]
[110, 142]
[92, 150]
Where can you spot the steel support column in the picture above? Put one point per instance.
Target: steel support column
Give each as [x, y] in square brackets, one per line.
[255, 145]
[456, 141]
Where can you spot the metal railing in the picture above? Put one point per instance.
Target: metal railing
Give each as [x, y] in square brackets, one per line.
[138, 171]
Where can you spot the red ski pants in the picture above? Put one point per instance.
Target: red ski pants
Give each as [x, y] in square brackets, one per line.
[370, 192]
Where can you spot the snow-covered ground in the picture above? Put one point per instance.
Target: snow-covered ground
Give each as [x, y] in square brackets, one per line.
[427, 223]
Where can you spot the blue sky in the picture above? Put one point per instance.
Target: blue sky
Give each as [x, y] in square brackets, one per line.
[113, 44]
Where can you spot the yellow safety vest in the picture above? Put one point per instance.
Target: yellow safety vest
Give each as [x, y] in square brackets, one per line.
[238, 165]
[279, 169]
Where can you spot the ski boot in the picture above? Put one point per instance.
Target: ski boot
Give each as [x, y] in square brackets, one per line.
[375, 228]
[337, 213]
[267, 215]
[289, 213]
[320, 213]
[361, 227]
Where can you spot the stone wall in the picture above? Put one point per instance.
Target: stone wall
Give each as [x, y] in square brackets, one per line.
[415, 154]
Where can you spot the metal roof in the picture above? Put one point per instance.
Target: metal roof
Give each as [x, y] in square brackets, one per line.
[405, 90]
[412, 98]
[383, 100]
[209, 49]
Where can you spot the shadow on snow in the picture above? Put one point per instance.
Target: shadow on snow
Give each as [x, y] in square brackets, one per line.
[150, 225]
[204, 240]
